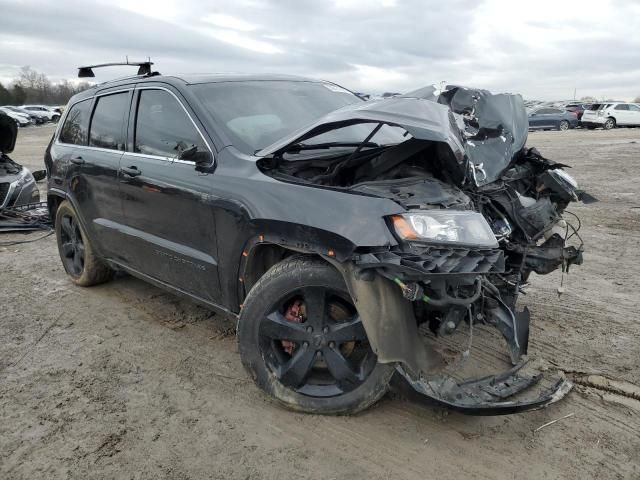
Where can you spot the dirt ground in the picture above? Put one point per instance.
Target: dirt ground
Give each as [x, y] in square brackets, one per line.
[124, 380]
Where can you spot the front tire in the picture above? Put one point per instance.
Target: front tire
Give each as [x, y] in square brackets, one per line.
[75, 249]
[609, 124]
[302, 341]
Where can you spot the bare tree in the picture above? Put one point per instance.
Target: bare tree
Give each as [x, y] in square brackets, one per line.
[32, 86]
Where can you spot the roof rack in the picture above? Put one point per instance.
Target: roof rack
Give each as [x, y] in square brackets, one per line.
[144, 68]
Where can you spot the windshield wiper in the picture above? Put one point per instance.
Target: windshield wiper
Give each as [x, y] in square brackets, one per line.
[296, 147]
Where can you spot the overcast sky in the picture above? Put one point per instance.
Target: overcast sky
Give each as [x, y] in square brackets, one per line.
[543, 50]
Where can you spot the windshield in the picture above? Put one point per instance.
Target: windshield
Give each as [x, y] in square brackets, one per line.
[255, 114]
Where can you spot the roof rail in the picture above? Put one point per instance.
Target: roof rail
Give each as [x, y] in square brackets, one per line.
[144, 68]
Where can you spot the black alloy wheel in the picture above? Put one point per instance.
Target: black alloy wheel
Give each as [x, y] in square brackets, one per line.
[76, 251]
[303, 341]
[72, 250]
[314, 342]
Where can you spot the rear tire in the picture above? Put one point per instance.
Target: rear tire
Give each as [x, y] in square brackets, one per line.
[270, 359]
[563, 125]
[76, 252]
[609, 124]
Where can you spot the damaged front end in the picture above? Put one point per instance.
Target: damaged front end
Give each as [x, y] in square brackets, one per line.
[478, 212]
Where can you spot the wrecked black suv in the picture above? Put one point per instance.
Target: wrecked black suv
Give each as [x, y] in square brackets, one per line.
[348, 237]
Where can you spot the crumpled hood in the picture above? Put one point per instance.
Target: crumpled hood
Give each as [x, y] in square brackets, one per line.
[423, 119]
[8, 133]
[483, 131]
[495, 127]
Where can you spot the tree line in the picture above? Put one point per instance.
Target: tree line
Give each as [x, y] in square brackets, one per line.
[35, 87]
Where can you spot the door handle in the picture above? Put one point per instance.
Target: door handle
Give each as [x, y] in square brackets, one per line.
[77, 160]
[131, 171]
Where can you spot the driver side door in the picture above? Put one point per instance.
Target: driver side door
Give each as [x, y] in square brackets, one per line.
[167, 204]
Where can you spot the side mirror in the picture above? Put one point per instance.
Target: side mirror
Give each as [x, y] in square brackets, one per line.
[202, 158]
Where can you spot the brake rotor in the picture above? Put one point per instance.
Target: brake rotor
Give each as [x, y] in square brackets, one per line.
[296, 312]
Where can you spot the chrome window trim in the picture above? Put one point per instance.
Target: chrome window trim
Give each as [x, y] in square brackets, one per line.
[125, 152]
[68, 109]
[151, 87]
[96, 98]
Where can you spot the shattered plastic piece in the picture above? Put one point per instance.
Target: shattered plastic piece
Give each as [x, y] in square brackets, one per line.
[488, 395]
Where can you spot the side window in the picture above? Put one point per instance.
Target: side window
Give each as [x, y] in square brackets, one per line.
[74, 130]
[634, 108]
[107, 129]
[554, 110]
[162, 126]
[544, 111]
[621, 107]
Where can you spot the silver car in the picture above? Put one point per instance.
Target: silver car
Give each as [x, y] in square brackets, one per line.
[17, 185]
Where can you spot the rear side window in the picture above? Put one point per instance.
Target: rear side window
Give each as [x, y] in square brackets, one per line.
[163, 128]
[634, 108]
[621, 107]
[74, 130]
[107, 124]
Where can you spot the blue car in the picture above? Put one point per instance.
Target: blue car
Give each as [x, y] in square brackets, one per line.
[549, 118]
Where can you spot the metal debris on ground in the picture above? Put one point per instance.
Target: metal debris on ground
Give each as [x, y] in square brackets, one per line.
[25, 218]
[32, 216]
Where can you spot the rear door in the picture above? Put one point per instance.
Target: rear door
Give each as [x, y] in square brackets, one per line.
[167, 204]
[92, 141]
[542, 118]
[621, 114]
[555, 116]
[634, 115]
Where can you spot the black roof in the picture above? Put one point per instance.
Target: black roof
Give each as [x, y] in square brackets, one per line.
[189, 79]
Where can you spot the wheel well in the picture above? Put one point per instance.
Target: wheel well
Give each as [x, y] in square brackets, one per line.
[260, 259]
[53, 202]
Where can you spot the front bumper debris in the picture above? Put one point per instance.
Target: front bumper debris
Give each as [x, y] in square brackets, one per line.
[488, 395]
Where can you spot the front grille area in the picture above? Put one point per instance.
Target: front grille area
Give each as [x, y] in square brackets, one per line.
[4, 190]
[436, 260]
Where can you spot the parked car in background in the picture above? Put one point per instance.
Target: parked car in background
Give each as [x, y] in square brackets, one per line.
[21, 120]
[548, 118]
[611, 115]
[17, 185]
[36, 117]
[577, 108]
[52, 115]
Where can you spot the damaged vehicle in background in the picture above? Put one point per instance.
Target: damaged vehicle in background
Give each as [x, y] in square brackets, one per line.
[17, 184]
[333, 243]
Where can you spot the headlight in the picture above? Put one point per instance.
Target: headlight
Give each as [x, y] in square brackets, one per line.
[445, 226]
[565, 176]
[25, 177]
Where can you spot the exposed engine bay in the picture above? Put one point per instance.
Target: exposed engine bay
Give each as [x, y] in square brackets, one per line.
[483, 211]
